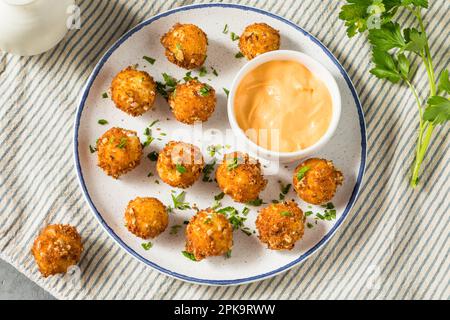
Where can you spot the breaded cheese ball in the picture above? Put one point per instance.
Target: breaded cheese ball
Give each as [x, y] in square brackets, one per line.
[193, 101]
[180, 164]
[119, 151]
[240, 177]
[146, 218]
[257, 39]
[280, 225]
[133, 91]
[209, 234]
[316, 180]
[57, 248]
[186, 45]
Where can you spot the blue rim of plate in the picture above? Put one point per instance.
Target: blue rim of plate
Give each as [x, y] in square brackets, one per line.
[266, 275]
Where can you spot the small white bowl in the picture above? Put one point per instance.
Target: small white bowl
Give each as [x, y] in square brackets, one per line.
[319, 71]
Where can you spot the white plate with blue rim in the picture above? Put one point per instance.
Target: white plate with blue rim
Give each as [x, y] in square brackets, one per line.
[250, 260]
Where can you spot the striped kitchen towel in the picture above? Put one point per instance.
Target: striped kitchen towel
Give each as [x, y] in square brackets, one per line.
[393, 245]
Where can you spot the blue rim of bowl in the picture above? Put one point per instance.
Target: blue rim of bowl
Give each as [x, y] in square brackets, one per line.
[266, 275]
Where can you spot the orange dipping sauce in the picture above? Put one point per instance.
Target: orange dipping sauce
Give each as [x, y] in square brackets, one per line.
[282, 106]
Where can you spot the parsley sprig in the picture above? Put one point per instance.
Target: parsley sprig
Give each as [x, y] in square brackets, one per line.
[394, 48]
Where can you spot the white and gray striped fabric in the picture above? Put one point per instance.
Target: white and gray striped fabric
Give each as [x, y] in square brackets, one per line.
[393, 245]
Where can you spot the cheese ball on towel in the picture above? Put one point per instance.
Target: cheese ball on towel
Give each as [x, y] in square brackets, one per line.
[57, 248]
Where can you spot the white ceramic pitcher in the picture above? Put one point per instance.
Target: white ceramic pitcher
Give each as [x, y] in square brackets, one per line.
[30, 27]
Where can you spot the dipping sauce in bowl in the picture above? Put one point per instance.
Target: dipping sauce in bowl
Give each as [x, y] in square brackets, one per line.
[285, 105]
[282, 106]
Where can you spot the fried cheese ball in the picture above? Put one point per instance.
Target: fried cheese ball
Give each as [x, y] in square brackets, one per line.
[57, 248]
[119, 151]
[316, 180]
[180, 164]
[240, 177]
[193, 101]
[133, 91]
[186, 45]
[209, 234]
[257, 39]
[280, 225]
[146, 218]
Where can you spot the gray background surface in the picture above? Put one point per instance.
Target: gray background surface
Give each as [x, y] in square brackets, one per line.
[15, 286]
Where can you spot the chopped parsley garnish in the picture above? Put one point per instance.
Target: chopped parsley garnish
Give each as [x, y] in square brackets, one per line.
[239, 55]
[215, 72]
[185, 222]
[204, 91]
[123, 143]
[245, 211]
[234, 36]
[167, 87]
[247, 231]
[180, 168]
[213, 149]
[188, 77]
[189, 255]
[286, 214]
[203, 72]
[255, 203]
[179, 203]
[92, 149]
[153, 123]
[207, 170]
[179, 47]
[216, 205]
[174, 229]
[228, 254]
[170, 81]
[232, 164]
[105, 95]
[301, 173]
[149, 60]
[153, 156]
[102, 122]
[219, 196]
[309, 225]
[329, 205]
[225, 29]
[308, 213]
[150, 174]
[147, 246]
[227, 92]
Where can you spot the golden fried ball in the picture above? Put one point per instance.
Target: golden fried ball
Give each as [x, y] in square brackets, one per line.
[209, 234]
[240, 177]
[133, 91]
[257, 39]
[180, 164]
[280, 225]
[186, 45]
[146, 217]
[57, 248]
[119, 151]
[316, 180]
[193, 101]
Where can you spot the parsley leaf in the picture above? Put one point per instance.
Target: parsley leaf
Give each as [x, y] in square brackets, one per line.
[189, 255]
[180, 168]
[438, 111]
[147, 246]
[179, 203]
[444, 82]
